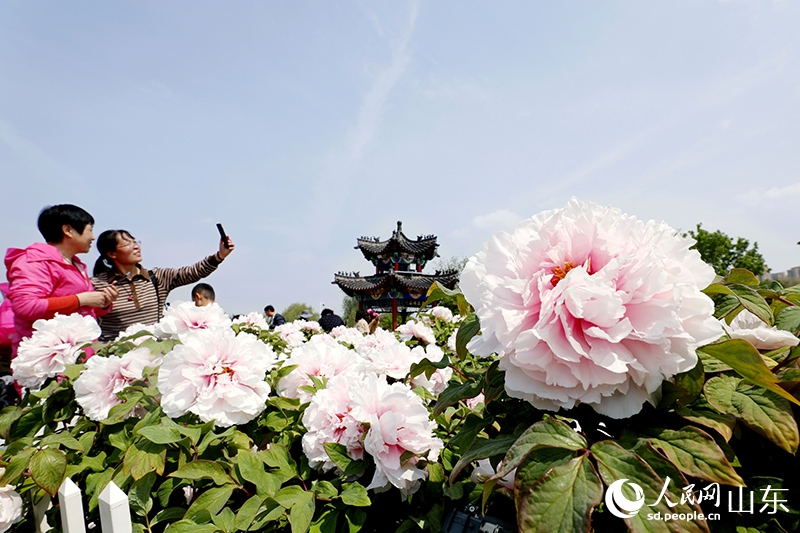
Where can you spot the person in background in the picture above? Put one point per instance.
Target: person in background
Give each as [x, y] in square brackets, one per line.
[306, 315]
[274, 319]
[48, 278]
[361, 322]
[142, 292]
[203, 295]
[329, 320]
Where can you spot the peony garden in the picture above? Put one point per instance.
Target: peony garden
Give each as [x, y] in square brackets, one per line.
[589, 373]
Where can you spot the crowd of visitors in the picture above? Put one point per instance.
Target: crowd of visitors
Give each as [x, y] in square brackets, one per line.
[49, 278]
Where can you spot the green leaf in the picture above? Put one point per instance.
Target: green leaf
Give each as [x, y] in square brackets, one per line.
[759, 409]
[48, 469]
[741, 276]
[483, 449]
[326, 523]
[692, 382]
[356, 495]
[533, 467]
[301, 513]
[747, 362]
[139, 494]
[747, 296]
[252, 469]
[277, 456]
[701, 412]
[225, 520]
[247, 513]
[469, 327]
[64, 439]
[8, 416]
[563, 499]
[187, 526]
[550, 432]
[695, 453]
[169, 515]
[287, 497]
[338, 454]
[616, 463]
[454, 393]
[355, 519]
[16, 466]
[203, 469]
[789, 319]
[144, 457]
[212, 501]
[160, 434]
[324, 490]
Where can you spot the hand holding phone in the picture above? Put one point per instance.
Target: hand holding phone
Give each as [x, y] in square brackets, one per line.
[222, 235]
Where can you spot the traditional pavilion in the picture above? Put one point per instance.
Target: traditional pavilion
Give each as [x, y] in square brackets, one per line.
[398, 283]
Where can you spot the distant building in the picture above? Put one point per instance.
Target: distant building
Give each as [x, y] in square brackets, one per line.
[792, 273]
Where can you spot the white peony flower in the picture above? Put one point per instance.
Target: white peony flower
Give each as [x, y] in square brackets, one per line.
[97, 387]
[10, 508]
[216, 375]
[55, 343]
[291, 334]
[749, 327]
[484, 470]
[347, 335]
[133, 329]
[588, 305]
[441, 376]
[309, 325]
[395, 360]
[442, 313]
[379, 340]
[328, 419]
[318, 359]
[251, 320]
[185, 317]
[413, 329]
[398, 422]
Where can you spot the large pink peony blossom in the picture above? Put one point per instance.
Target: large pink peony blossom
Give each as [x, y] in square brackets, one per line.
[587, 304]
[328, 419]
[413, 329]
[54, 344]
[97, 387]
[185, 317]
[398, 422]
[216, 375]
[318, 359]
[749, 327]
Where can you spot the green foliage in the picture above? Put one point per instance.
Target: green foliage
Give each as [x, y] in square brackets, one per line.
[726, 425]
[349, 308]
[292, 312]
[722, 253]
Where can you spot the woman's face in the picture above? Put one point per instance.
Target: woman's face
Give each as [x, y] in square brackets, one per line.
[128, 252]
[83, 241]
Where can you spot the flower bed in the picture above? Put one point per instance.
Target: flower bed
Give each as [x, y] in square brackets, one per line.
[605, 380]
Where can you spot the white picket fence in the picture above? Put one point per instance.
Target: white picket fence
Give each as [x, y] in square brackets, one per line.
[115, 513]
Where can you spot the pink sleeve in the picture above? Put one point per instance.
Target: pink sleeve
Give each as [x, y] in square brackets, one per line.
[31, 284]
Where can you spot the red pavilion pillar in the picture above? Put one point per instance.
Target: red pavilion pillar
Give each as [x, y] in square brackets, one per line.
[394, 312]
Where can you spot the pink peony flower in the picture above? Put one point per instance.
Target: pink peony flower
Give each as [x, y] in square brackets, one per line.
[586, 304]
[395, 360]
[398, 422]
[442, 313]
[413, 329]
[216, 375]
[291, 334]
[347, 335]
[440, 378]
[309, 325]
[10, 507]
[379, 340]
[55, 343]
[133, 329]
[328, 419]
[97, 387]
[749, 327]
[318, 359]
[185, 317]
[484, 470]
[472, 403]
[251, 320]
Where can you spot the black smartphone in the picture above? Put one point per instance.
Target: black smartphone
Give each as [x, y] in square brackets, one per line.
[222, 235]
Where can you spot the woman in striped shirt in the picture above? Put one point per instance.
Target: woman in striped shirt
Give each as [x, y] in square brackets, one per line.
[142, 292]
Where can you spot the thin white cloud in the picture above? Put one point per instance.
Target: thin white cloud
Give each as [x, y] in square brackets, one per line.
[762, 196]
[502, 219]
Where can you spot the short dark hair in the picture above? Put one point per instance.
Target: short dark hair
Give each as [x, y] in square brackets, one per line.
[269, 308]
[204, 289]
[53, 218]
[361, 314]
[326, 312]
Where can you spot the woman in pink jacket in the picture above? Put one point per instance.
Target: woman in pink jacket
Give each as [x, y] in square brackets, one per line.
[46, 279]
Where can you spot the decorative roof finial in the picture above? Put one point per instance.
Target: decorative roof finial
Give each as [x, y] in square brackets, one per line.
[399, 226]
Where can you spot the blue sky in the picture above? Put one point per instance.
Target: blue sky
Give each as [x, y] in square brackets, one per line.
[304, 125]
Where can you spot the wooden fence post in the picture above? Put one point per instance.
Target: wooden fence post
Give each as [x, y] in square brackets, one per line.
[71, 505]
[115, 513]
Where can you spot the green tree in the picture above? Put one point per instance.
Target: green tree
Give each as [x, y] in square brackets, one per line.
[292, 312]
[722, 253]
[349, 308]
